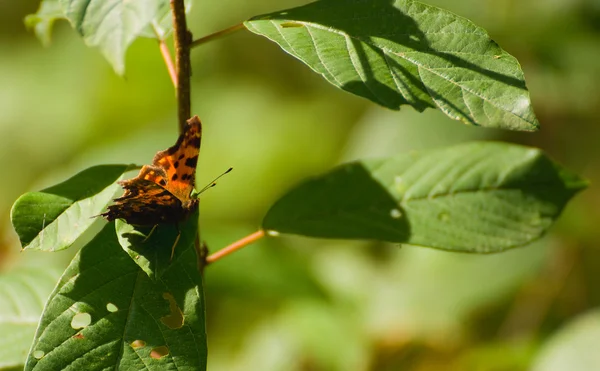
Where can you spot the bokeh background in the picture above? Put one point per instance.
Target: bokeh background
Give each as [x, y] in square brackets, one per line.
[293, 303]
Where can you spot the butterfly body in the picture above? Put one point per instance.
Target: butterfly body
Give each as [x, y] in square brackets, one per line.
[161, 192]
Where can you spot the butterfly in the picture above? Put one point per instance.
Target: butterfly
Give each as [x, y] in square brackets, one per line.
[162, 192]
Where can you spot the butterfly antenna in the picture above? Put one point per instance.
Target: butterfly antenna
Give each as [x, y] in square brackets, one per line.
[214, 182]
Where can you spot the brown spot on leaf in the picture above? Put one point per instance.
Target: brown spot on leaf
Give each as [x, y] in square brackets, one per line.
[291, 24]
[173, 320]
[138, 344]
[159, 352]
[78, 336]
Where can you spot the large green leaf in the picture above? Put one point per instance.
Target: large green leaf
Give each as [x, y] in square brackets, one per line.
[106, 313]
[110, 25]
[480, 197]
[23, 293]
[54, 218]
[405, 52]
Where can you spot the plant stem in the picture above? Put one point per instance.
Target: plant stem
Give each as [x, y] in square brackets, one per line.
[182, 39]
[235, 246]
[166, 54]
[216, 35]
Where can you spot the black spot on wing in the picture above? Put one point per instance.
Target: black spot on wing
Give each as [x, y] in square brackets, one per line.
[174, 177]
[195, 142]
[191, 162]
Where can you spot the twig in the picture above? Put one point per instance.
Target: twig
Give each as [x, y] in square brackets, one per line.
[235, 246]
[166, 54]
[182, 39]
[218, 34]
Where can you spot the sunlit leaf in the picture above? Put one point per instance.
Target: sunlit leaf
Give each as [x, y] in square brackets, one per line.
[23, 293]
[106, 313]
[161, 26]
[406, 52]
[480, 197]
[110, 25]
[43, 20]
[54, 218]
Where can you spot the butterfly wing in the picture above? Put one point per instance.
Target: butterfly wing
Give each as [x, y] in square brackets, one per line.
[160, 193]
[145, 203]
[179, 161]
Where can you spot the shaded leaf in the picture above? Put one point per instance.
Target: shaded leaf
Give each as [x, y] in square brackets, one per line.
[22, 297]
[150, 247]
[480, 197]
[55, 217]
[107, 313]
[405, 52]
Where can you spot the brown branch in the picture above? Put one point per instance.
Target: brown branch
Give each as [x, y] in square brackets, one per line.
[183, 39]
[216, 35]
[235, 246]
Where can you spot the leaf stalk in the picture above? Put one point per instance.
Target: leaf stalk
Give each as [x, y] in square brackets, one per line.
[235, 246]
[218, 34]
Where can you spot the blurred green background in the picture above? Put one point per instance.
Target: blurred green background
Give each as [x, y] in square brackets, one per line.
[293, 303]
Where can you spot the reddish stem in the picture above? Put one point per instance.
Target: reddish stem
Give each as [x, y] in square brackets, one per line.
[166, 54]
[235, 246]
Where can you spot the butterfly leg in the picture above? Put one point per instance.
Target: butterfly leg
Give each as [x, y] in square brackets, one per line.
[175, 243]
[150, 234]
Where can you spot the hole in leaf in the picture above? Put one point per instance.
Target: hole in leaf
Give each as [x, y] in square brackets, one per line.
[81, 320]
[395, 213]
[159, 352]
[111, 307]
[38, 354]
[175, 319]
[138, 344]
[273, 233]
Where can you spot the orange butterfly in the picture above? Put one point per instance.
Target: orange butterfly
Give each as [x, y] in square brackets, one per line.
[162, 192]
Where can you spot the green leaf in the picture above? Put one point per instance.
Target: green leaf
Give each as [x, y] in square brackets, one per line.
[574, 347]
[110, 25]
[480, 197]
[22, 297]
[161, 26]
[151, 247]
[405, 52]
[106, 313]
[54, 218]
[42, 21]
